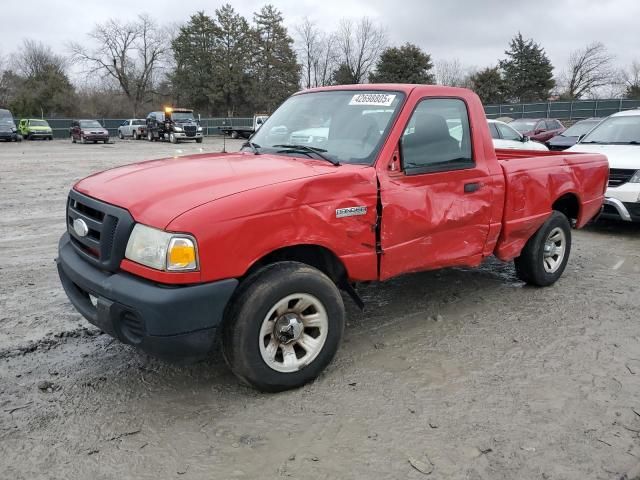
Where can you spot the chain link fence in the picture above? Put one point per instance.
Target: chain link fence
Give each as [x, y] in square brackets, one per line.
[569, 110]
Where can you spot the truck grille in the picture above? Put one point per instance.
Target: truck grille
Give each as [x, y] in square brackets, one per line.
[619, 176]
[109, 228]
[190, 130]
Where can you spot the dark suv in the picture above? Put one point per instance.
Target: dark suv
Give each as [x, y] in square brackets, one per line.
[174, 124]
[86, 131]
[8, 130]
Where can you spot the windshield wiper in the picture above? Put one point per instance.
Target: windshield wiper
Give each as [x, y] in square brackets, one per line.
[306, 149]
[254, 147]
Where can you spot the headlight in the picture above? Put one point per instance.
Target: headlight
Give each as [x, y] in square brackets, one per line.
[199, 129]
[162, 250]
[177, 129]
[635, 178]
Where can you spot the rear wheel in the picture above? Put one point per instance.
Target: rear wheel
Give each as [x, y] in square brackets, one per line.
[283, 327]
[234, 134]
[545, 256]
[135, 135]
[120, 135]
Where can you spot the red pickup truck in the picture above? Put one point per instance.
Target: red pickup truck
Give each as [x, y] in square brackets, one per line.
[254, 247]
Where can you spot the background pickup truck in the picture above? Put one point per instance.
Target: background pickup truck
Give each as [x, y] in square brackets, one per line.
[255, 245]
[135, 128]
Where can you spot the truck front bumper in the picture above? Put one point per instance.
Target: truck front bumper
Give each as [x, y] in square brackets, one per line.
[184, 136]
[170, 322]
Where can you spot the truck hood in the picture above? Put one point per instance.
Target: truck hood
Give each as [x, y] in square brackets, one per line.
[619, 156]
[157, 191]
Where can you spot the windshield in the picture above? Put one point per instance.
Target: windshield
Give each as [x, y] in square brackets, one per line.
[138, 122]
[6, 121]
[182, 116]
[347, 126]
[523, 126]
[580, 128]
[616, 130]
[90, 124]
[38, 123]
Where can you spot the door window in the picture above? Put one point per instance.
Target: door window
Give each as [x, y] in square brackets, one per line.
[437, 137]
[508, 133]
[494, 131]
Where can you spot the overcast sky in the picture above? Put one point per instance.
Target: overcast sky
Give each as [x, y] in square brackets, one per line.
[474, 31]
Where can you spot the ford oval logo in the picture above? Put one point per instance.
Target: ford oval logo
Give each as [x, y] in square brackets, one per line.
[80, 227]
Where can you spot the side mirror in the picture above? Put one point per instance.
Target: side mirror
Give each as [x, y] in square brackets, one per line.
[259, 121]
[525, 139]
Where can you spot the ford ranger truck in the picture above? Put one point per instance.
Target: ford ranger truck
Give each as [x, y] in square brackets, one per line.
[253, 248]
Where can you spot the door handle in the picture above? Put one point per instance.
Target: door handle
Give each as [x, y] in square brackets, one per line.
[472, 187]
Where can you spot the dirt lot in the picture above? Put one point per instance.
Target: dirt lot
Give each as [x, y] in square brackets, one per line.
[451, 374]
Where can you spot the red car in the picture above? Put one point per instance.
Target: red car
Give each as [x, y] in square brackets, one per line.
[538, 129]
[254, 247]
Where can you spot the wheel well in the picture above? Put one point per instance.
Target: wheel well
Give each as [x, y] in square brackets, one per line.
[569, 205]
[313, 255]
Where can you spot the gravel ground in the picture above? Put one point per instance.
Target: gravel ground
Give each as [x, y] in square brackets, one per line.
[451, 374]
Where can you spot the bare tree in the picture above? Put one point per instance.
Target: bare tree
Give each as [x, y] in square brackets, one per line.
[309, 50]
[359, 45]
[450, 73]
[630, 80]
[589, 69]
[35, 59]
[131, 54]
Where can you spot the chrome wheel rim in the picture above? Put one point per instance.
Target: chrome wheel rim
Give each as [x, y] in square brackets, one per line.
[293, 333]
[555, 247]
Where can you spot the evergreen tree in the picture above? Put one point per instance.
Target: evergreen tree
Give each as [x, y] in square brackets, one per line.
[277, 72]
[343, 76]
[489, 85]
[406, 64]
[232, 59]
[527, 71]
[194, 51]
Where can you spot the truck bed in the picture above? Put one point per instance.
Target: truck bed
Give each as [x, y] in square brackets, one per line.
[538, 182]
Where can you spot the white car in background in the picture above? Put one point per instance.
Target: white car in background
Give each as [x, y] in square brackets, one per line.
[507, 137]
[618, 137]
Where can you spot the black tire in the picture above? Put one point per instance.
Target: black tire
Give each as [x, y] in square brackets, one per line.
[234, 135]
[150, 136]
[135, 135]
[255, 297]
[172, 138]
[530, 265]
[120, 135]
[199, 140]
[49, 138]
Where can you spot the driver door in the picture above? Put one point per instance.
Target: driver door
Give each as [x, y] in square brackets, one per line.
[437, 209]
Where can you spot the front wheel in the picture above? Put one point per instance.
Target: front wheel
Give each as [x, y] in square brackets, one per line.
[545, 256]
[283, 327]
[120, 135]
[172, 138]
[198, 140]
[150, 136]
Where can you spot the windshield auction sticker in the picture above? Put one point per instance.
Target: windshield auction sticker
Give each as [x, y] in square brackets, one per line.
[373, 99]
